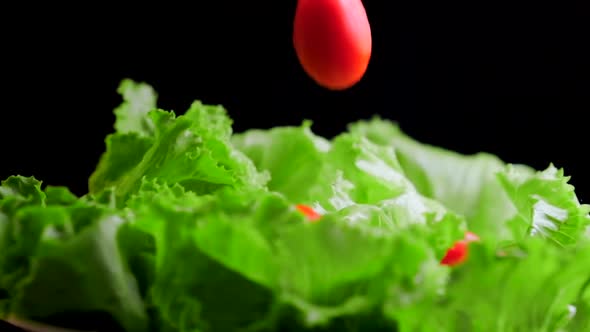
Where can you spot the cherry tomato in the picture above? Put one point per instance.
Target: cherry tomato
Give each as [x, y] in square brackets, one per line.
[456, 255]
[310, 213]
[332, 39]
[459, 253]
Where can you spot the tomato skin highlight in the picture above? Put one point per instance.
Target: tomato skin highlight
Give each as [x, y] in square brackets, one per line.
[310, 213]
[471, 237]
[332, 39]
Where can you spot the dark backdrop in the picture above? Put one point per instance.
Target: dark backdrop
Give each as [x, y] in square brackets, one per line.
[493, 76]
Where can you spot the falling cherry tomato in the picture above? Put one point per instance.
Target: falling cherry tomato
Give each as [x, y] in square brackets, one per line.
[310, 213]
[459, 253]
[332, 39]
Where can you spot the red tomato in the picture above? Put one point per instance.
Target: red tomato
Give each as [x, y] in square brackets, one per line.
[310, 213]
[456, 255]
[332, 39]
[459, 253]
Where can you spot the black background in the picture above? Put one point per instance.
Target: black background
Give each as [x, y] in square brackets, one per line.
[505, 78]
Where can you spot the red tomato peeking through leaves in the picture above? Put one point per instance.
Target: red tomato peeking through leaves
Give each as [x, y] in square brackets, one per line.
[459, 253]
[332, 39]
[309, 212]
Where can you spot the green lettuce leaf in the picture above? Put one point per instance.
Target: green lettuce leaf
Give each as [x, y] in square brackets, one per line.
[505, 205]
[306, 168]
[547, 205]
[332, 175]
[256, 240]
[484, 189]
[138, 100]
[531, 287]
[465, 184]
[291, 155]
[193, 149]
[227, 271]
[124, 153]
[61, 256]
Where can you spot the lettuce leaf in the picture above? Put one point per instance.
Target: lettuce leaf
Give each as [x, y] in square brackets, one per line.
[205, 292]
[547, 205]
[193, 149]
[138, 100]
[332, 175]
[467, 185]
[256, 247]
[525, 218]
[291, 154]
[61, 255]
[531, 286]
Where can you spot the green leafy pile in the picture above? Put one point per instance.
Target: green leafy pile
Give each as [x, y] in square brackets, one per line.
[188, 227]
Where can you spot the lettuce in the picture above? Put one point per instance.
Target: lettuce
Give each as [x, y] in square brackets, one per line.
[192, 149]
[62, 255]
[190, 227]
